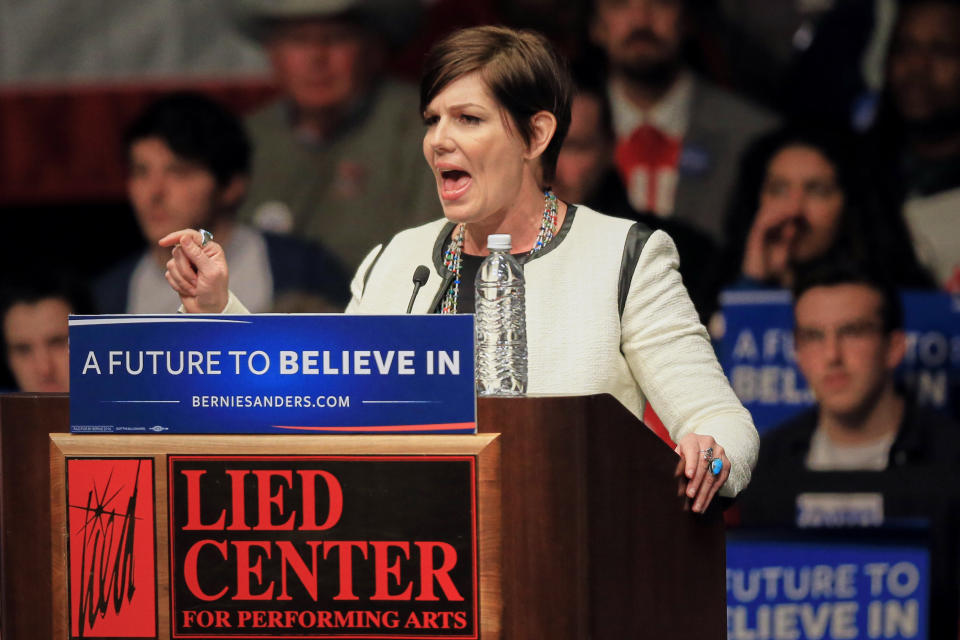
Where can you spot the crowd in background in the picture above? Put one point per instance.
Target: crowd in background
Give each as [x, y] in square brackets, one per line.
[759, 135]
[807, 145]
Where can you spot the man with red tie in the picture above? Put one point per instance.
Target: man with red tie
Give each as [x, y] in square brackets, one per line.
[679, 137]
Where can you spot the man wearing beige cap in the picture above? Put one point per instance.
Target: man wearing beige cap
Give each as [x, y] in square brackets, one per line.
[337, 158]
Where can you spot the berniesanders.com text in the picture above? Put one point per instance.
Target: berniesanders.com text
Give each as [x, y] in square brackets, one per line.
[271, 401]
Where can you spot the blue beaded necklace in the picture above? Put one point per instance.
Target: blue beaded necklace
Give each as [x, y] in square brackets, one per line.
[453, 256]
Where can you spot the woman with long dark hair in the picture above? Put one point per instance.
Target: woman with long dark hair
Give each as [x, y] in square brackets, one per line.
[804, 194]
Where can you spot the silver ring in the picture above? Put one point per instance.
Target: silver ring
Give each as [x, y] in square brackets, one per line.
[205, 237]
[707, 453]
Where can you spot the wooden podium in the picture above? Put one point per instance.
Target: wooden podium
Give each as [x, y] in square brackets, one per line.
[596, 537]
[598, 541]
[26, 420]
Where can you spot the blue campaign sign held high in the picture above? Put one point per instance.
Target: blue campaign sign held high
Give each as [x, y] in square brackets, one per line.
[272, 374]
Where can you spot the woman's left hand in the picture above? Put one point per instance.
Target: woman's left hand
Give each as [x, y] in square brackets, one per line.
[197, 272]
[702, 484]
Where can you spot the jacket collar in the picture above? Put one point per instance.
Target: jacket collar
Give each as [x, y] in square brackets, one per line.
[440, 247]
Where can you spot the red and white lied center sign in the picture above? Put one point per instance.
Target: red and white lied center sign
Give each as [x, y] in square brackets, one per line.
[280, 547]
[323, 547]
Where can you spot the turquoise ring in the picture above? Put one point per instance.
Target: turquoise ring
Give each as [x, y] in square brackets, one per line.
[716, 466]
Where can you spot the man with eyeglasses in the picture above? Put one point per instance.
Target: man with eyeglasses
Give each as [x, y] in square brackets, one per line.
[865, 456]
[849, 339]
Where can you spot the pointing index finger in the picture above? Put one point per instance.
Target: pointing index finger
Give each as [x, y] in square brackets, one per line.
[177, 237]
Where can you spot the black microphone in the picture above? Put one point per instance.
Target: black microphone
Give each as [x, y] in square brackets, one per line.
[420, 275]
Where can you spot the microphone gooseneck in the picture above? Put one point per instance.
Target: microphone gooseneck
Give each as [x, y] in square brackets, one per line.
[420, 275]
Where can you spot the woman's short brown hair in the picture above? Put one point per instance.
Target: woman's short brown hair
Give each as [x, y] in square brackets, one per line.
[522, 71]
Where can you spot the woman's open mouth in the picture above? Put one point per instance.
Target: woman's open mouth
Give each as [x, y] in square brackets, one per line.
[454, 183]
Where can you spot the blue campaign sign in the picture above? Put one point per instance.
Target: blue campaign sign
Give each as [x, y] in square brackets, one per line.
[780, 590]
[756, 352]
[272, 374]
[931, 366]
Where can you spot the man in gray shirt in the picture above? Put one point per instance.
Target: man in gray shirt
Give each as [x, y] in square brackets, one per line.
[337, 158]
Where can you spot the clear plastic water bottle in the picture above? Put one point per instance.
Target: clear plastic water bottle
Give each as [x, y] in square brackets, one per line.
[501, 322]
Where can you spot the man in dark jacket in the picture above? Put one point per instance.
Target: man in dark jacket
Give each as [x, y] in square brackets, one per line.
[865, 455]
[189, 162]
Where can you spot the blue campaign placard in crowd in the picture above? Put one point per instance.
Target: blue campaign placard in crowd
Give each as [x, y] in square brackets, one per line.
[788, 590]
[931, 365]
[272, 374]
[756, 352]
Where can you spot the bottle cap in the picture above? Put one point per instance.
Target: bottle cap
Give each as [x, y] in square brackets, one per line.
[499, 242]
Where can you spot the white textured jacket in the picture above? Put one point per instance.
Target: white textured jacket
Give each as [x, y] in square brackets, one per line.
[607, 312]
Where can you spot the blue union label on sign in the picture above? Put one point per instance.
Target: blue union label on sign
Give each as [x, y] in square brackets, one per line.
[272, 374]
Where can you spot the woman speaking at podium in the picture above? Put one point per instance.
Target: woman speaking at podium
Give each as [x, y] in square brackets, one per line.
[607, 311]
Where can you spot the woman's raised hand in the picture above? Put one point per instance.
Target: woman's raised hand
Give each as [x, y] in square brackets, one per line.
[198, 273]
[770, 244]
[697, 454]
